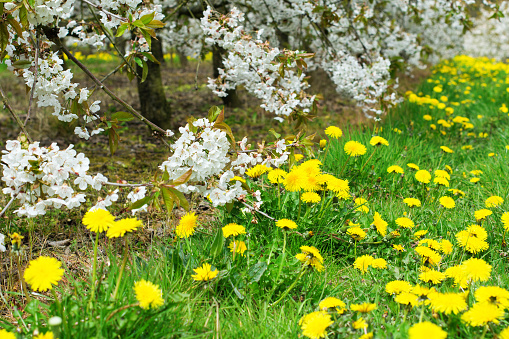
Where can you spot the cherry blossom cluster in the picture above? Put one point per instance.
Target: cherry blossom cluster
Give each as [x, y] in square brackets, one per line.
[255, 65]
[40, 177]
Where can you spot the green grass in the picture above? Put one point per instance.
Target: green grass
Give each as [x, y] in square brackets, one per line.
[243, 300]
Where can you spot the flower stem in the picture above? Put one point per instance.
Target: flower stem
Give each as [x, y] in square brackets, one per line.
[290, 287]
[124, 261]
[22, 279]
[344, 165]
[368, 160]
[283, 256]
[94, 269]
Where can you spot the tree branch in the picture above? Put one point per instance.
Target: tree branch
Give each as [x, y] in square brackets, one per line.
[14, 115]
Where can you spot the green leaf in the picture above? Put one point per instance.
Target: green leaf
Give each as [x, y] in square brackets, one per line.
[168, 198]
[121, 29]
[214, 112]
[150, 57]
[16, 26]
[113, 140]
[138, 23]
[138, 61]
[155, 24]
[4, 37]
[22, 64]
[122, 116]
[182, 201]
[166, 176]
[224, 127]
[274, 133]
[255, 272]
[147, 18]
[140, 203]
[145, 71]
[23, 17]
[183, 178]
[229, 206]
[217, 246]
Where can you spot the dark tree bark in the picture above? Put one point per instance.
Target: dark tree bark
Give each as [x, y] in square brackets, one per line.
[232, 99]
[153, 103]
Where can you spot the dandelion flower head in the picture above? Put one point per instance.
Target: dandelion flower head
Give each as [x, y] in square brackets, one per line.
[233, 230]
[42, 273]
[314, 325]
[426, 330]
[354, 148]
[121, 227]
[334, 132]
[186, 225]
[148, 294]
[204, 273]
[98, 220]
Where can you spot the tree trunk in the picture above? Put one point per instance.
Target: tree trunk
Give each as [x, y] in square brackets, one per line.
[232, 99]
[153, 103]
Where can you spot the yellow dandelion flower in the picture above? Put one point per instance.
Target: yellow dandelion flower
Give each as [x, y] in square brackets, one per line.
[398, 248]
[494, 201]
[186, 225]
[298, 157]
[323, 143]
[413, 166]
[148, 294]
[380, 224]
[395, 169]
[419, 234]
[337, 185]
[310, 256]
[477, 269]
[412, 202]
[380, 263]
[502, 335]
[4, 334]
[360, 324]
[314, 325]
[448, 302]
[423, 176]
[362, 263]
[493, 294]
[441, 181]
[446, 149]
[446, 246]
[277, 176]
[362, 203]
[407, 298]
[233, 230]
[204, 273]
[47, 335]
[442, 174]
[432, 276]
[256, 171]
[42, 273]
[237, 178]
[363, 308]
[377, 141]
[474, 180]
[482, 214]
[428, 256]
[286, 224]
[354, 148]
[505, 220]
[121, 227]
[456, 191]
[356, 233]
[330, 303]
[334, 132]
[405, 222]
[447, 202]
[293, 181]
[237, 246]
[398, 286]
[426, 330]
[98, 220]
[310, 197]
[483, 313]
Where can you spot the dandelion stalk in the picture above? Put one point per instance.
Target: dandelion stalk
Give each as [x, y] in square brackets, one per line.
[300, 205]
[21, 279]
[484, 331]
[124, 261]
[374, 151]
[285, 293]
[344, 165]
[94, 269]
[283, 257]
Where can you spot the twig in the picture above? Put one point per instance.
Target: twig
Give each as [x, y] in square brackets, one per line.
[8, 205]
[112, 42]
[18, 121]
[35, 80]
[108, 91]
[126, 185]
[262, 213]
[105, 11]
